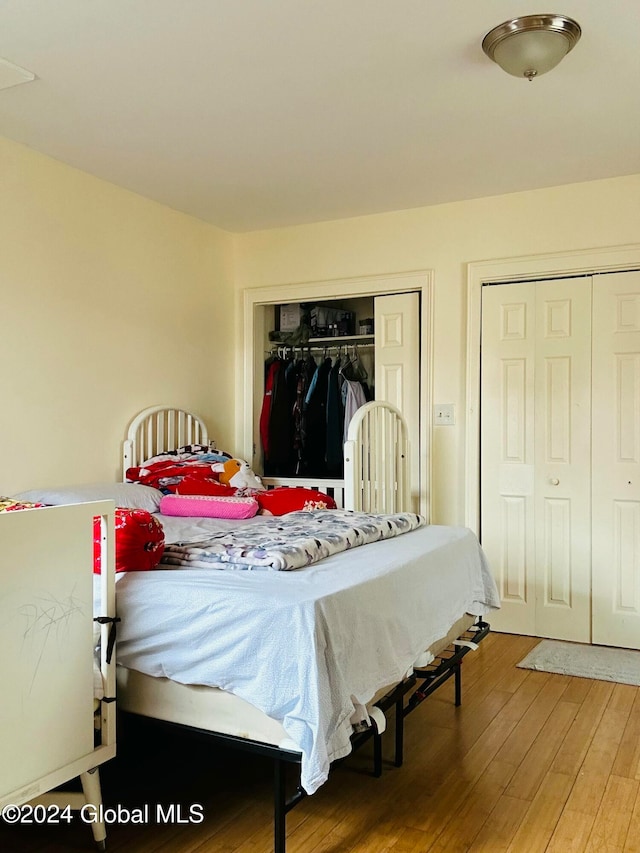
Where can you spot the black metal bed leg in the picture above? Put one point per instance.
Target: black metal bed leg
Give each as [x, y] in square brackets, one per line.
[279, 806]
[458, 684]
[399, 756]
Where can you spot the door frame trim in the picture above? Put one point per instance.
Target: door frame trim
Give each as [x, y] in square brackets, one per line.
[530, 267]
[375, 285]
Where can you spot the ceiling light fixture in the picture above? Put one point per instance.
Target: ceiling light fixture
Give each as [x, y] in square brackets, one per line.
[531, 45]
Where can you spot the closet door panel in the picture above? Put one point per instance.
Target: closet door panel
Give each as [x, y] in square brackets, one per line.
[563, 458]
[535, 454]
[397, 367]
[507, 450]
[616, 460]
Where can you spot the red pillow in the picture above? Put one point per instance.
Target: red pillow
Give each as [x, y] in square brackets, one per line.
[283, 499]
[139, 541]
[199, 486]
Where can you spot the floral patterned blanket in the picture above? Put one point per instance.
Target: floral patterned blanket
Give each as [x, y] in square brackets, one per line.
[290, 541]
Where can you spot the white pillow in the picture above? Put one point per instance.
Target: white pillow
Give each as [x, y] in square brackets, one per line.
[126, 495]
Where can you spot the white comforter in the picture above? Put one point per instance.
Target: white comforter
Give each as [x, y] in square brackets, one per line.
[306, 647]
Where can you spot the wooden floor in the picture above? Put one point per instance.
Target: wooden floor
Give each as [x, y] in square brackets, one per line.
[530, 762]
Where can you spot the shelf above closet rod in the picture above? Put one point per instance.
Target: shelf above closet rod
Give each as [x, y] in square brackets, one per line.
[352, 339]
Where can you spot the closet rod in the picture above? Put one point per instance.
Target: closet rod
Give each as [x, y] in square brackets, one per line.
[317, 348]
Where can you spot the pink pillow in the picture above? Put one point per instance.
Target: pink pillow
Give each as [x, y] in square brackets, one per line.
[209, 506]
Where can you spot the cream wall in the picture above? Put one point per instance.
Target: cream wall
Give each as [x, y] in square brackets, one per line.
[445, 238]
[109, 303]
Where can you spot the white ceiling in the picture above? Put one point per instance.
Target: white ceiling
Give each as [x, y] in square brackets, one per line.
[252, 114]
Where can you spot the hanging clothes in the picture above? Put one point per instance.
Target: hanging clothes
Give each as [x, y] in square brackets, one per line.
[335, 419]
[271, 368]
[306, 411]
[276, 426]
[280, 424]
[305, 370]
[353, 397]
[315, 420]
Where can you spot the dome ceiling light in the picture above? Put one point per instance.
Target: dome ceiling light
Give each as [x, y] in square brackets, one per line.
[531, 45]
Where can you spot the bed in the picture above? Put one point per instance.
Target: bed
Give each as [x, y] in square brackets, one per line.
[299, 665]
[283, 698]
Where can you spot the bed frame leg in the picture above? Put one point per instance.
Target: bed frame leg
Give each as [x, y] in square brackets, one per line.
[458, 684]
[282, 804]
[279, 806]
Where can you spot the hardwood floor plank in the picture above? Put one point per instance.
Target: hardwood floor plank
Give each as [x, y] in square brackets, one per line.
[512, 679]
[611, 826]
[518, 743]
[411, 841]
[385, 836]
[541, 818]
[622, 698]
[458, 781]
[341, 826]
[501, 825]
[577, 689]
[491, 665]
[606, 741]
[627, 761]
[536, 763]
[467, 821]
[571, 754]
[524, 696]
[587, 793]
[632, 843]
[571, 833]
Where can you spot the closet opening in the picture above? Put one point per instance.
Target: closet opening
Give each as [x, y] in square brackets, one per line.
[315, 354]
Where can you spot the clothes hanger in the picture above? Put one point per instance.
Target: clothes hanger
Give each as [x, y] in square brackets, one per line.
[359, 366]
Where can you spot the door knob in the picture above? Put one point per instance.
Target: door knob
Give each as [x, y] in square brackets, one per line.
[554, 481]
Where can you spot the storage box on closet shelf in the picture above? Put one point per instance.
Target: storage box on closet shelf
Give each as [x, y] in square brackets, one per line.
[291, 316]
[331, 322]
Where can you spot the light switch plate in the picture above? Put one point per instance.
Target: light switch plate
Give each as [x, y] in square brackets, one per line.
[444, 414]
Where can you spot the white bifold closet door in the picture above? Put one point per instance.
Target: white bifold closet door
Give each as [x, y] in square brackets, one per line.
[560, 456]
[397, 368]
[536, 455]
[616, 460]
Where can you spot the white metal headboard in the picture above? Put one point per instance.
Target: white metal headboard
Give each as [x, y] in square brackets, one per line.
[157, 429]
[376, 454]
[376, 460]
